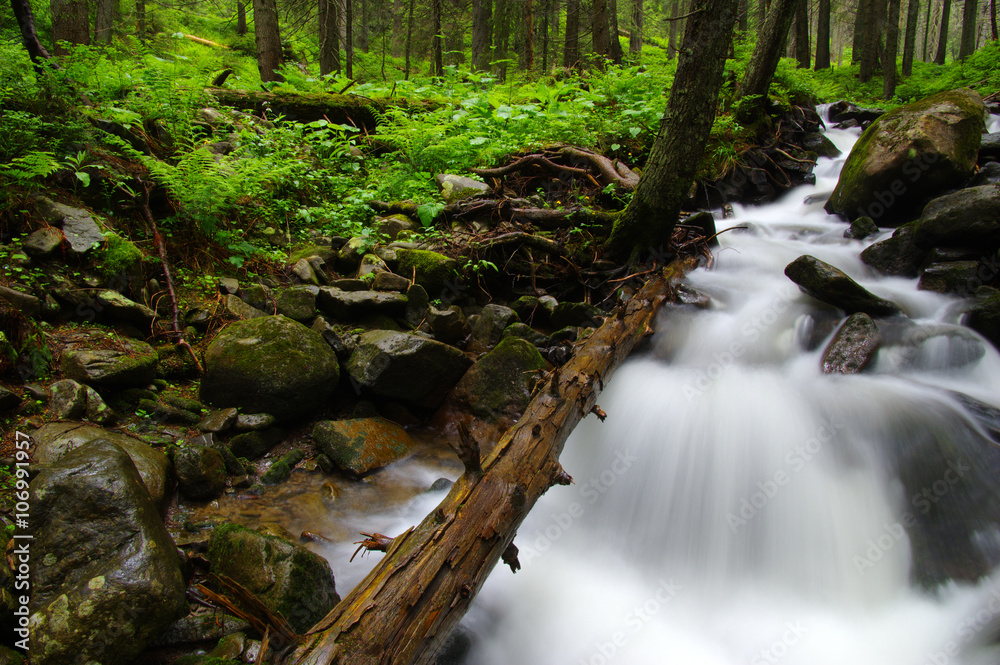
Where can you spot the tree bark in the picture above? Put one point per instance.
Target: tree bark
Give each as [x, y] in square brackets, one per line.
[910, 39]
[501, 36]
[29, 35]
[675, 6]
[482, 34]
[362, 33]
[545, 8]
[403, 611]
[265, 20]
[526, 35]
[869, 26]
[600, 30]
[651, 215]
[104, 21]
[942, 48]
[764, 61]
[891, 45]
[437, 39]
[397, 28]
[761, 15]
[241, 17]
[70, 23]
[329, 37]
[409, 40]
[802, 51]
[614, 36]
[571, 43]
[823, 36]
[635, 38]
[993, 19]
[927, 33]
[744, 9]
[969, 26]
[349, 38]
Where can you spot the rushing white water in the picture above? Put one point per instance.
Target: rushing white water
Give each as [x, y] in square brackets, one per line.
[739, 506]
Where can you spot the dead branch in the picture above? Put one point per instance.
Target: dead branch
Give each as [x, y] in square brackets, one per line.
[527, 161]
[538, 242]
[611, 172]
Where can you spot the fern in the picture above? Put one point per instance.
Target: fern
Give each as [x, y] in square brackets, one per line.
[32, 166]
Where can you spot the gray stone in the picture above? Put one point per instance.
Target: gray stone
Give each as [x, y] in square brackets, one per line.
[255, 444]
[387, 281]
[200, 628]
[219, 420]
[229, 286]
[233, 466]
[43, 243]
[97, 411]
[347, 305]
[270, 365]
[966, 218]
[434, 271]
[392, 225]
[489, 326]
[118, 306]
[897, 255]
[103, 561]
[417, 303]
[989, 174]
[910, 155]
[9, 400]
[533, 310]
[298, 302]
[80, 229]
[984, 318]
[166, 413]
[281, 470]
[958, 277]
[241, 310]
[406, 366]
[259, 297]
[305, 272]
[350, 284]
[448, 325]
[286, 577]
[861, 228]
[69, 400]
[342, 344]
[53, 441]
[371, 264]
[361, 445]
[832, 286]
[251, 422]
[28, 304]
[989, 149]
[853, 347]
[525, 332]
[319, 268]
[132, 363]
[201, 472]
[456, 188]
[348, 258]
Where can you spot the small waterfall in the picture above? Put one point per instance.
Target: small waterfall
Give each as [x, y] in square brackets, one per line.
[740, 507]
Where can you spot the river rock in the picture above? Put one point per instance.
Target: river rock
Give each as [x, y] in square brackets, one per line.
[527, 333]
[387, 281]
[219, 420]
[347, 305]
[897, 255]
[81, 230]
[106, 578]
[853, 347]
[456, 187]
[534, 310]
[250, 422]
[984, 318]
[118, 306]
[167, 413]
[989, 149]
[255, 444]
[576, 314]
[201, 472]
[131, 363]
[241, 309]
[68, 399]
[406, 366]
[831, 285]
[957, 277]
[8, 400]
[304, 271]
[988, 175]
[28, 304]
[433, 271]
[286, 577]
[448, 325]
[966, 218]
[270, 364]
[259, 297]
[361, 445]
[297, 302]
[43, 243]
[488, 327]
[53, 441]
[861, 228]
[908, 156]
[392, 225]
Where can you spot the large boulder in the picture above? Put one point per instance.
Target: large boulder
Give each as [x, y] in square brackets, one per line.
[201, 472]
[966, 218]
[81, 230]
[106, 577]
[831, 285]
[406, 366]
[269, 364]
[499, 385]
[286, 577]
[909, 156]
[53, 441]
[129, 363]
[362, 445]
[345, 305]
[897, 255]
[433, 271]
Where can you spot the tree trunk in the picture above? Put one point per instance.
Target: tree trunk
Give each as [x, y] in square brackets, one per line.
[651, 215]
[571, 43]
[140, 21]
[942, 48]
[363, 38]
[437, 40]
[265, 20]
[29, 35]
[104, 21]
[600, 30]
[910, 39]
[329, 37]
[545, 8]
[869, 26]
[927, 33]
[891, 45]
[482, 34]
[635, 38]
[241, 16]
[675, 6]
[454, 45]
[614, 36]
[526, 40]
[70, 23]
[744, 10]
[349, 38]
[761, 15]
[993, 19]
[501, 36]
[857, 41]
[764, 61]
[802, 51]
[968, 44]
[823, 36]
[409, 40]
[397, 28]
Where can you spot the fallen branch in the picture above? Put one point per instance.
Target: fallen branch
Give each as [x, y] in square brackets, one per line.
[538, 242]
[526, 161]
[612, 173]
[406, 607]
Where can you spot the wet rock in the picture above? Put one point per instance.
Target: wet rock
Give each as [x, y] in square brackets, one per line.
[229, 286]
[348, 305]
[241, 310]
[28, 304]
[820, 144]
[487, 330]
[576, 314]
[270, 364]
[233, 466]
[842, 111]
[832, 286]
[298, 302]
[370, 265]
[249, 422]
[255, 444]
[165, 413]
[53, 441]
[68, 400]
[200, 628]
[456, 188]
[43, 243]
[959, 278]
[853, 347]
[392, 225]
[533, 310]
[441, 485]
[219, 420]
[406, 366]
[132, 363]
[897, 255]
[281, 470]
[989, 149]
[448, 325]
[8, 400]
[97, 411]
[387, 281]
[103, 561]
[908, 156]
[287, 577]
[118, 306]
[304, 271]
[988, 175]
[175, 362]
[984, 318]
[361, 445]
[78, 226]
[861, 228]
[342, 344]
[201, 472]
[417, 303]
[433, 271]
[527, 333]
[259, 297]
[968, 217]
[350, 284]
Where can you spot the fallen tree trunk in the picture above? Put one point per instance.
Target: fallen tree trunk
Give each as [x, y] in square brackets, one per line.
[402, 612]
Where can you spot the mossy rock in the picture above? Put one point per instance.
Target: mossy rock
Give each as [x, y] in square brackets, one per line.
[175, 363]
[433, 271]
[287, 577]
[499, 384]
[133, 363]
[833, 286]
[362, 445]
[270, 364]
[910, 155]
[117, 257]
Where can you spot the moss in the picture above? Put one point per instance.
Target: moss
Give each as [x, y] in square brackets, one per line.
[432, 270]
[305, 252]
[118, 256]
